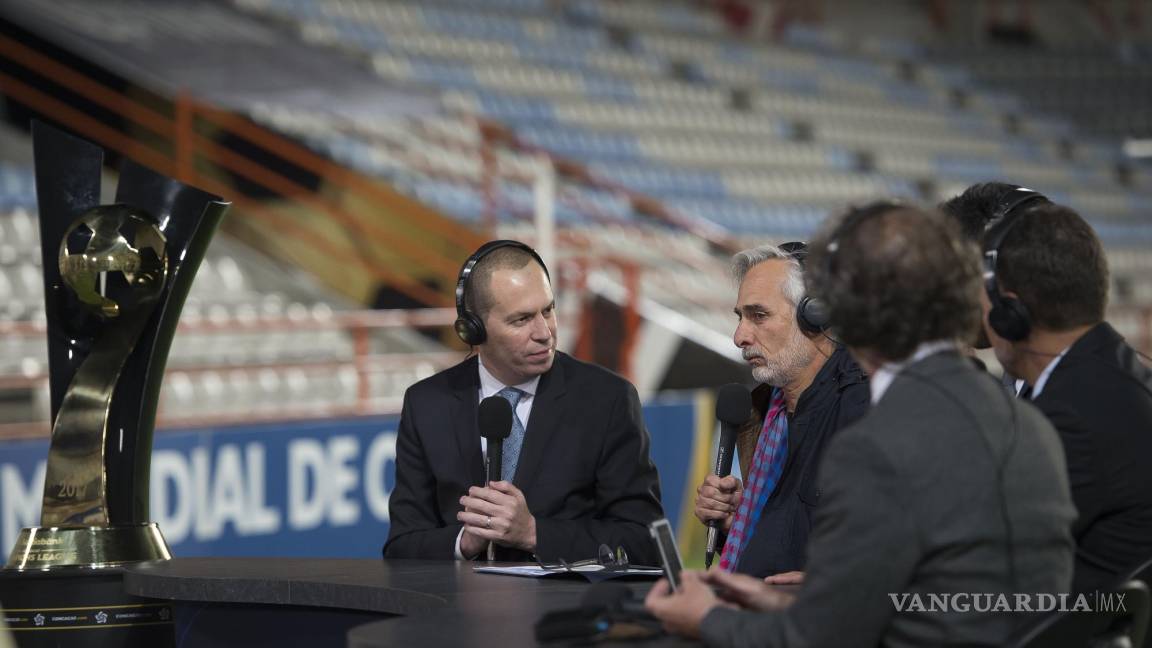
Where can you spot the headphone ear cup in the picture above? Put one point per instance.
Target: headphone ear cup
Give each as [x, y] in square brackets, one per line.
[470, 329]
[1009, 318]
[812, 315]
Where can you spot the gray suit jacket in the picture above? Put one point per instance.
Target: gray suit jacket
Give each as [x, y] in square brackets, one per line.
[915, 502]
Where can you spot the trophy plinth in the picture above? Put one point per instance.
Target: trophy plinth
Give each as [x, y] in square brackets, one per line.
[91, 547]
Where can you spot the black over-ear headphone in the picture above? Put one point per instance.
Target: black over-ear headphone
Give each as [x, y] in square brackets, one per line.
[469, 327]
[1009, 316]
[811, 313]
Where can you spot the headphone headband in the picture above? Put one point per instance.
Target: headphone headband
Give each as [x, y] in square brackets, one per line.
[797, 250]
[1000, 224]
[1009, 316]
[469, 327]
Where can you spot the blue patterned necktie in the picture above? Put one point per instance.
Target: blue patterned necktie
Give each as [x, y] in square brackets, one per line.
[515, 438]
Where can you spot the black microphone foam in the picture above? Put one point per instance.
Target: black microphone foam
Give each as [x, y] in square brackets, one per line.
[608, 612]
[606, 594]
[617, 600]
[495, 422]
[733, 404]
[733, 407]
[495, 418]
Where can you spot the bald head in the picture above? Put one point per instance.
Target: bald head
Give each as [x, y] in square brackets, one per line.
[478, 295]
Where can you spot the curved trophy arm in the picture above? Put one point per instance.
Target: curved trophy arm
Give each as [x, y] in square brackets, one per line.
[74, 484]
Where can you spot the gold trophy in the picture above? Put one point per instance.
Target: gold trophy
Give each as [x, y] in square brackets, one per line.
[75, 526]
[115, 277]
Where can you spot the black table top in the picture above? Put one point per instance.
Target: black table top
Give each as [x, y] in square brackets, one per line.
[395, 587]
[444, 603]
[391, 586]
[476, 631]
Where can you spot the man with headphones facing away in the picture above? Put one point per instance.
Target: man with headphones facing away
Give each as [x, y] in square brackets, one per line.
[810, 385]
[948, 486]
[976, 210]
[577, 472]
[1046, 289]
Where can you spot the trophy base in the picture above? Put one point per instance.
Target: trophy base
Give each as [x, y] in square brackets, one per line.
[82, 608]
[86, 547]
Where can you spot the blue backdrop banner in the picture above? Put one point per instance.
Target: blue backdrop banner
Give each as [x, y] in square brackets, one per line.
[316, 488]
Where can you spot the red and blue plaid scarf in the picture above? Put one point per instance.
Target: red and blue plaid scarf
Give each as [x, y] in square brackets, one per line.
[767, 466]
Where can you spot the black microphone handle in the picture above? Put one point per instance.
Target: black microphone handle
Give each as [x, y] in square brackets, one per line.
[725, 449]
[723, 468]
[495, 459]
[492, 473]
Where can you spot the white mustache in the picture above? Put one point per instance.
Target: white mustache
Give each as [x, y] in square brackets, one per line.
[749, 354]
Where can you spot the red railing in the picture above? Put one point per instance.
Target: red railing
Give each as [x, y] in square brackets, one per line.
[361, 327]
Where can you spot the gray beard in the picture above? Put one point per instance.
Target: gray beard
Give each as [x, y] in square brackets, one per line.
[788, 364]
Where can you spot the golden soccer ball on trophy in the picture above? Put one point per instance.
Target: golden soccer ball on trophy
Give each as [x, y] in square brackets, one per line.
[113, 257]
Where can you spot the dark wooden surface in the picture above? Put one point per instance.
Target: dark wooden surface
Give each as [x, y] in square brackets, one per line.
[393, 587]
[506, 628]
[442, 603]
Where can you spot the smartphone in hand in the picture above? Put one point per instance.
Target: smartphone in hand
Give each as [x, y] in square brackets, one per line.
[661, 532]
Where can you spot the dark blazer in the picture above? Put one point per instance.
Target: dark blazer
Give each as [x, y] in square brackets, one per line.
[584, 467]
[837, 396]
[1098, 399]
[915, 499]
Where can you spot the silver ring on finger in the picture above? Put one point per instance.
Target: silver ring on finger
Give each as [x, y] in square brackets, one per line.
[488, 522]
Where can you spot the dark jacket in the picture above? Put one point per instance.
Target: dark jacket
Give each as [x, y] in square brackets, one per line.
[584, 468]
[1098, 398]
[837, 396]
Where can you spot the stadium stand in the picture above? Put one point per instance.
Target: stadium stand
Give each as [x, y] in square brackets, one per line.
[760, 139]
[672, 143]
[258, 338]
[1086, 62]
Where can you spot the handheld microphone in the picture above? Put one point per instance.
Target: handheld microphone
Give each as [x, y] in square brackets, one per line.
[608, 612]
[617, 598]
[733, 406]
[495, 421]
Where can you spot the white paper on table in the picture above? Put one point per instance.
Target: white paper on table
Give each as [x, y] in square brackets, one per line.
[535, 571]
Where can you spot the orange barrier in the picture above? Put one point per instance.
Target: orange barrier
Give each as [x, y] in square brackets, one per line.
[418, 253]
[425, 248]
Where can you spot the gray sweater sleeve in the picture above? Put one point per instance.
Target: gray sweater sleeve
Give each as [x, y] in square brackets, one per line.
[736, 628]
[864, 545]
